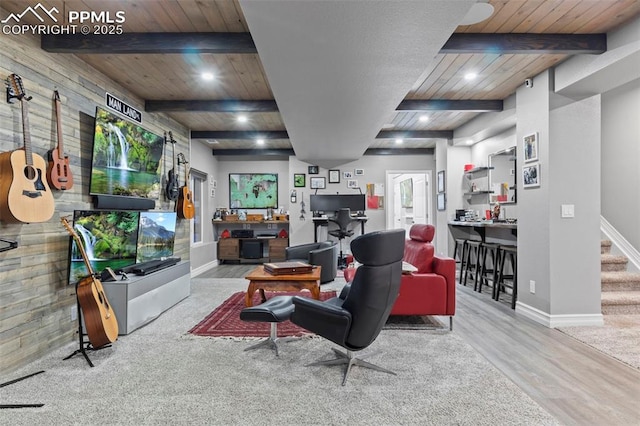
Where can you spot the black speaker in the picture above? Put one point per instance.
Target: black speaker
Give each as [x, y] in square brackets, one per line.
[114, 202]
[252, 249]
[242, 233]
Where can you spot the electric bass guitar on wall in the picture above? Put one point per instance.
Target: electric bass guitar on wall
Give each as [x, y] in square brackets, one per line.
[171, 190]
[25, 195]
[99, 319]
[185, 207]
[59, 175]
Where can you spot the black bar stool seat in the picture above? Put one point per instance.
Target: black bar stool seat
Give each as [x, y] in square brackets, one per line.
[507, 253]
[489, 261]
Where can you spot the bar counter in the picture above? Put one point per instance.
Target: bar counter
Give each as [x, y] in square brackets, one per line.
[499, 231]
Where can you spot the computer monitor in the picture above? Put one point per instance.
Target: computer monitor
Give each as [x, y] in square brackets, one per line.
[335, 202]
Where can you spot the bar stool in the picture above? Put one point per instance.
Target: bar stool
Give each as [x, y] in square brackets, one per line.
[489, 261]
[509, 253]
[471, 259]
[461, 244]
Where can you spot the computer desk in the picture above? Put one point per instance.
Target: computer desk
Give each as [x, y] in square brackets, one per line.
[324, 221]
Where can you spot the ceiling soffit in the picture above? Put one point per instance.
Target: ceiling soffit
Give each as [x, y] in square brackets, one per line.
[338, 69]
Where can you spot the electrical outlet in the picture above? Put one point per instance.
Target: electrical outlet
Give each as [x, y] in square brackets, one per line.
[74, 313]
[532, 286]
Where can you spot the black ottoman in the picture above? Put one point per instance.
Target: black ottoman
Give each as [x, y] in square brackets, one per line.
[274, 310]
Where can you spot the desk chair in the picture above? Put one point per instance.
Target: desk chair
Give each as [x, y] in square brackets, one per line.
[344, 221]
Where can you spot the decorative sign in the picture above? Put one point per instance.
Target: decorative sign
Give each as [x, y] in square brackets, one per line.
[120, 107]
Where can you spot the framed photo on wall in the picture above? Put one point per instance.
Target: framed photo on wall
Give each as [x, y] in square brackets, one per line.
[359, 172]
[352, 183]
[334, 176]
[440, 181]
[317, 183]
[530, 147]
[299, 180]
[442, 201]
[531, 176]
[313, 170]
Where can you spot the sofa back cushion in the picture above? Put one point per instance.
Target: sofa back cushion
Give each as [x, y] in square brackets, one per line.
[418, 250]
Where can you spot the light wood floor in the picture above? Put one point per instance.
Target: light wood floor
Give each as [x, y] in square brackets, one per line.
[575, 383]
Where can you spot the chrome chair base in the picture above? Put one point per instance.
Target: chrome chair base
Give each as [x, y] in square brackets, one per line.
[350, 359]
[271, 341]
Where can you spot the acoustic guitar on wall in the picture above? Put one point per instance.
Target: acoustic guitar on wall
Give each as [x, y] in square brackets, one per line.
[99, 319]
[185, 207]
[59, 175]
[25, 195]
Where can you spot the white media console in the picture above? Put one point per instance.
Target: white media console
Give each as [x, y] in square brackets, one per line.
[141, 299]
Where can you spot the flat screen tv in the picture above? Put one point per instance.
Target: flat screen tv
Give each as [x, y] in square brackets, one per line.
[156, 235]
[109, 238]
[126, 158]
[253, 190]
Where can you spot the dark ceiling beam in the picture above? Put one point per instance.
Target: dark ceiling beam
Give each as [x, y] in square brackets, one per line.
[475, 105]
[282, 134]
[228, 105]
[570, 44]
[243, 43]
[415, 134]
[399, 151]
[149, 43]
[254, 152]
[239, 134]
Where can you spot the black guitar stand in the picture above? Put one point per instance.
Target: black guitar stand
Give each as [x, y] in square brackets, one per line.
[10, 382]
[82, 347]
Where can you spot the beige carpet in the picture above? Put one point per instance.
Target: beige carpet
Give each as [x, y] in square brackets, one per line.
[619, 337]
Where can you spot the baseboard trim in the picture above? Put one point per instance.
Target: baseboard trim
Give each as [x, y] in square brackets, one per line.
[558, 321]
[201, 269]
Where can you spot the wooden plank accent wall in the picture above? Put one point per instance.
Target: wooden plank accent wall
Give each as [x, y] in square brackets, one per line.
[35, 298]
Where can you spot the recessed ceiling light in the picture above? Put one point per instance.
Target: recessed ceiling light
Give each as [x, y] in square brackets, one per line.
[478, 13]
[469, 141]
[212, 141]
[242, 119]
[399, 141]
[424, 118]
[207, 76]
[260, 141]
[470, 76]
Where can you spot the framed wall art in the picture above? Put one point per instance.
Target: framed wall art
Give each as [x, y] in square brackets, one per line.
[442, 201]
[317, 183]
[299, 180]
[440, 181]
[352, 183]
[359, 172]
[334, 176]
[531, 176]
[313, 170]
[530, 147]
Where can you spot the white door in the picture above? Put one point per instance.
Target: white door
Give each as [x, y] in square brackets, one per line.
[410, 197]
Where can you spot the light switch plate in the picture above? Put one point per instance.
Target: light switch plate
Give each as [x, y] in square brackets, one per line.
[568, 210]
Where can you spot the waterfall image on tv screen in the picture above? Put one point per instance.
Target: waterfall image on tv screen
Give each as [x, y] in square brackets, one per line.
[156, 235]
[109, 239]
[253, 190]
[126, 158]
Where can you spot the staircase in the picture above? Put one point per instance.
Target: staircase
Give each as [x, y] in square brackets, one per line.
[620, 288]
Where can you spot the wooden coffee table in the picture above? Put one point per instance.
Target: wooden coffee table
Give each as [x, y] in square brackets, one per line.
[261, 280]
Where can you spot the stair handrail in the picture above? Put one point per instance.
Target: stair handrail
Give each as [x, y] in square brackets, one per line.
[620, 243]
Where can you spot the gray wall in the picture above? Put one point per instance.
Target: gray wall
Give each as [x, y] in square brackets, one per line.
[204, 254]
[621, 159]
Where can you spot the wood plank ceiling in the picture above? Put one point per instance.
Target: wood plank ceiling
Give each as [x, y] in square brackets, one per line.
[170, 77]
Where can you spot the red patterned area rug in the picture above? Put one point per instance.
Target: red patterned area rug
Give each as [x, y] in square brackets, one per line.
[225, 320]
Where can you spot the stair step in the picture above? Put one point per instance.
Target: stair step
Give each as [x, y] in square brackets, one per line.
[611, 262]
[620, 281]
[605, 246]
[620, 303]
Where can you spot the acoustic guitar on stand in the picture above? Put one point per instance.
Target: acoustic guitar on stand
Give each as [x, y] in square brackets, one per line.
[59, 175]
[185, 207]
[25, 195]
[99, 319]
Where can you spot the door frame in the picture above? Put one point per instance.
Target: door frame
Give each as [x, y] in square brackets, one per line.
[389, 195]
